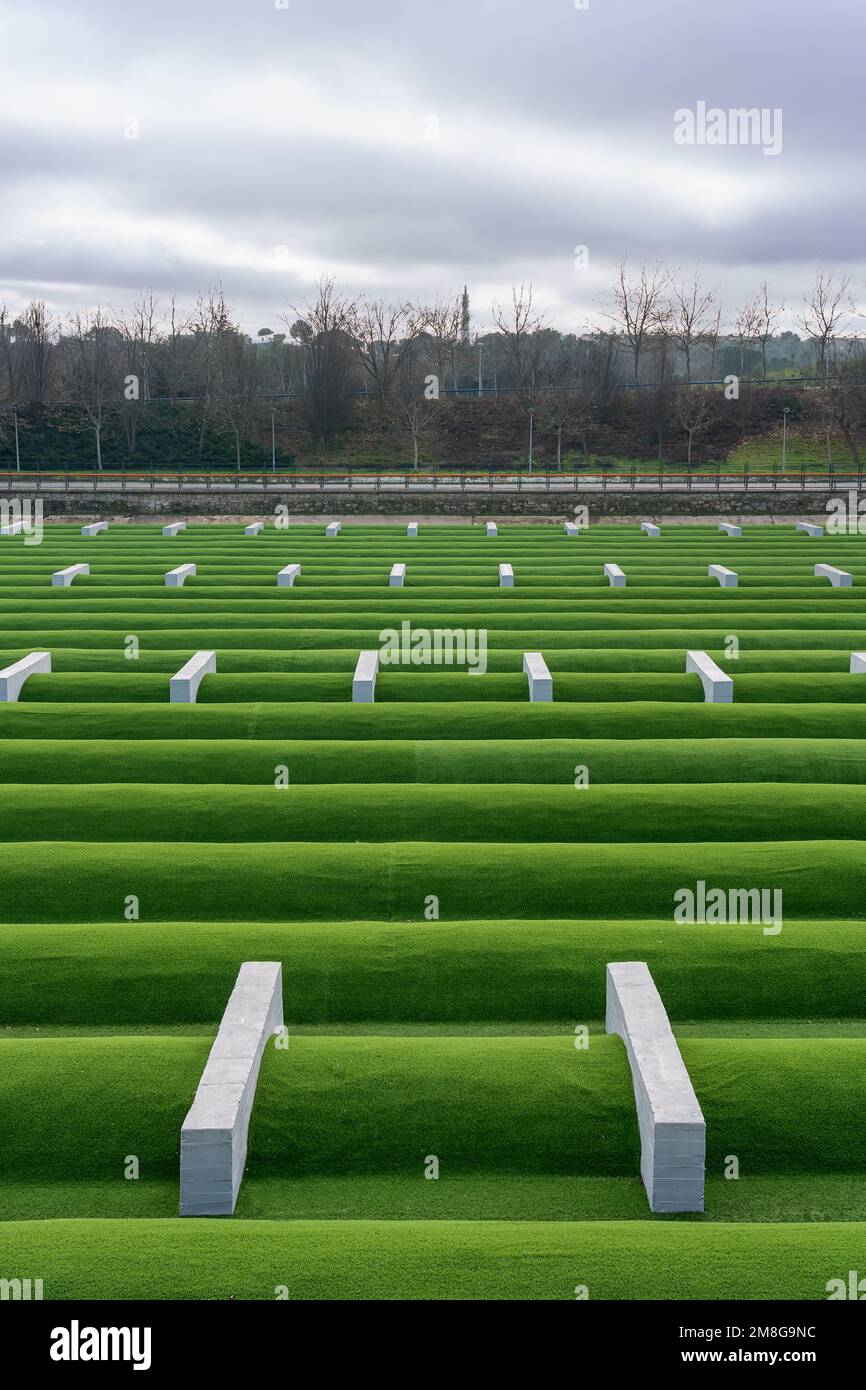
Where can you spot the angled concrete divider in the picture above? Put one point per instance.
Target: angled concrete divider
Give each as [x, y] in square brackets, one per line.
[183, 689]
[12, 528]
[809, 528]
[364, 679]
[673, 1133]
[729, 529]
[491, 529]
[571, 529]
[728, 579]
[254, 529]
[213, 1138]
[333, 529]
[287, 576]
[858, 664]
[94, 528]
[174, 529]
[614, 576]
[650, 530]
[540, 679]
[61, 579]
[13, 677]
[412, 530]
[176, 578]
[840, 579]
[506, 577]
[397, 577]
[718, 687]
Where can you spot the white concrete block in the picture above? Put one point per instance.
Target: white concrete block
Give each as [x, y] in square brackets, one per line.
[729, 529]
[809, 528]
[214, 1135]
[94, 528]
[840, 579]
[650, 530]
[287, 576]
[728, 579]
[673, 1132]
[254, 529]
[61, 579]
[571, 529]
[412, 530]
[397, 577]
[13, 677]
[718, 687]
[540, 679]
[183, 689]
[614, 576]
[174, 529]
[333, 529]
[176, 578]
[858, 664]
[490, 528]
[364, 679]
[506, 577]
[12, 528]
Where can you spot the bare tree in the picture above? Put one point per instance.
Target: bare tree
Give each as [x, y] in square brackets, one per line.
[696, 409]
[235, 385]
[176, 351]
[441, 327]
[523, 337]
[827, 311]
[210, 320]
[90, 367]
[768, 315]
[138, 336]
[384, 334]
[746, 326]
[692, 316]
[657, 398]
[10, 358]
[639, 307]
[710, 338]
[844, 395]
[325, 332]
[415, 401]
[36, 340]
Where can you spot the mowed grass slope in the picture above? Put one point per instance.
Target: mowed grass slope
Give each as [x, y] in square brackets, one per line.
[444, 876]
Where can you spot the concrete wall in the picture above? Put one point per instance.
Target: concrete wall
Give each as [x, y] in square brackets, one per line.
[558, 506]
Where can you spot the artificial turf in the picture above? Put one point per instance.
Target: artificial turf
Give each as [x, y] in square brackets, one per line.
[443, 893]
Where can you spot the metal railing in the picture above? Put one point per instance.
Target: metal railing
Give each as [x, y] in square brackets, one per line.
[439, 480]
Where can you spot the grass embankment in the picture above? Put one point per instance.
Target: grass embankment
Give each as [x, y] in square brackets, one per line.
[542, 762]
[509, 972]
[639, 719]
[60, 881]
[356, 812]
[431, 1260]
[374, 1105]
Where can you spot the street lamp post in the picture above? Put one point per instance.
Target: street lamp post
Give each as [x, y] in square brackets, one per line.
[530, 439]
[480, 382]
[273, 440]
[785, 413]
[17, 450]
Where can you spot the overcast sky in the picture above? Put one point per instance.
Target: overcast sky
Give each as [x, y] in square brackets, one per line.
[409, 147]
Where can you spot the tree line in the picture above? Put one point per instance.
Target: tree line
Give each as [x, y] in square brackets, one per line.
[657, 333]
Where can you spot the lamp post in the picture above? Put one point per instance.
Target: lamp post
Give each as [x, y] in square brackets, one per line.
[531, 412]
[273, 440]
[17, 450]
[785, 413]
[480, 382]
